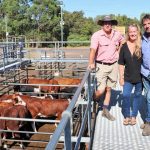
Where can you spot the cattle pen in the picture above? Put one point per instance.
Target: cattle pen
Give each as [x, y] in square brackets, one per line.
[74, 129]
[57, 78]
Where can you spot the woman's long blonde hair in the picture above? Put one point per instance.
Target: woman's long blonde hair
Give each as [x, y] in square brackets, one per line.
[137, 51]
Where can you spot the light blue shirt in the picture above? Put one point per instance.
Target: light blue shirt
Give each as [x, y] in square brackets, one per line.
[145, 67]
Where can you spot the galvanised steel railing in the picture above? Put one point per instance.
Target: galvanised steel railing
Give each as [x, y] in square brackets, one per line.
[10, 54]
[65, 123]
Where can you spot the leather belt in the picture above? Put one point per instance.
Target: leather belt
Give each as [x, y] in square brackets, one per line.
[104, 63]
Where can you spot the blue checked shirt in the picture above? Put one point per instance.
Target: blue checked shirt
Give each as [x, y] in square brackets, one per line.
[145, 67]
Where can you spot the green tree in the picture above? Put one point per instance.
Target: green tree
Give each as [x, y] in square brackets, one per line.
[36, 19]
[39, 20]
[45, 17]
[77, 27]
[13, 17]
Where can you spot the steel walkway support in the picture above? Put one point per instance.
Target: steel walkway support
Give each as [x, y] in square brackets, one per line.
[113, 135]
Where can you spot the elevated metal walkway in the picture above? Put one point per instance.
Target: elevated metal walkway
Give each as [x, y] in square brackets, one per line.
[113, 135]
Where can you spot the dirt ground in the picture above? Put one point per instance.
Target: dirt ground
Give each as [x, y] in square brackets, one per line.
[41, 146]
[49, 128]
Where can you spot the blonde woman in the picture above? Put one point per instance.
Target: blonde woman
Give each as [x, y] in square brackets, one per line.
[129, 73]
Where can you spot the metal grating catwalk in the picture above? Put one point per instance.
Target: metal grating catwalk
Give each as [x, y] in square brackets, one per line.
[113, 135]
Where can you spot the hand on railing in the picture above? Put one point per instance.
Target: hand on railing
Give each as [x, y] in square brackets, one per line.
[91, 67]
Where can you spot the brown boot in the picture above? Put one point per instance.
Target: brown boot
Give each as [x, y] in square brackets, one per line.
[146, 130]
[107, 115]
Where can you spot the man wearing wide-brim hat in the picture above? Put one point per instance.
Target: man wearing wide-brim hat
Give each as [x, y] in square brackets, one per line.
[107, 19]
[104, 55]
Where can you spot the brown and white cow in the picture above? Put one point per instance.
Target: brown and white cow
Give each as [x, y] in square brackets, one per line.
[16, 111]
[65, 88]
[48, 89]
[67, 81]
[6, 97]
[43, 107]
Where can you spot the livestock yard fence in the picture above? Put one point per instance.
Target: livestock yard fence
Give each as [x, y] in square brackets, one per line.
[49, 61]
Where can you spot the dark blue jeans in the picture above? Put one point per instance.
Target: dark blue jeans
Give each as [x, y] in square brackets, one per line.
[146, 83]
[137, 99]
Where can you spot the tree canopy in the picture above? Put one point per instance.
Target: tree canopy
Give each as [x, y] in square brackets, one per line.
[39, 20]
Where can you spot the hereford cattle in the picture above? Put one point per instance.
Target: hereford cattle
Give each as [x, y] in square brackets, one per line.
[5, 104]
[67, 81]
[68, 90]
[43, 107]
[47, 89]
[5, 97]
[17, 111]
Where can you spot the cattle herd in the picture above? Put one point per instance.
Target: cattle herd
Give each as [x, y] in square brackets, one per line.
[27, 102]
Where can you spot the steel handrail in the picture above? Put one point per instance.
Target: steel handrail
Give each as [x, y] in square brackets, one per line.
[65, 121]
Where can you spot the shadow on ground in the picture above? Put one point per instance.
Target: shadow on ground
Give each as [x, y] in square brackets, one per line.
[117, 98]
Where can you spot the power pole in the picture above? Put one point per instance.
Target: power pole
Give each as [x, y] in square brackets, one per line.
[6, 30]
[61, 22]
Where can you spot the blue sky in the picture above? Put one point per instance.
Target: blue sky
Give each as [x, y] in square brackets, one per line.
[92, 8]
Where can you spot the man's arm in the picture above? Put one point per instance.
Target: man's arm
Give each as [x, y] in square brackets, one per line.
[92, 59]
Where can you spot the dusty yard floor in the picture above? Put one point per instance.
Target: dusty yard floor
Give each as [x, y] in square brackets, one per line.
[49, 128]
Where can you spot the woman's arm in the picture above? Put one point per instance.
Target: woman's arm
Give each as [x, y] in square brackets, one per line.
[121, 75]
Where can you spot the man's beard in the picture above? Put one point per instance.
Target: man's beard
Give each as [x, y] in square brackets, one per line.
[147, 34]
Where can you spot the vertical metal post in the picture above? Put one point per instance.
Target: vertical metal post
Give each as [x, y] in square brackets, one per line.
[61, 28]
[6, 24]
[61, 23]
[89, 99]
[68, 136]
[6, 28]
[4, 57]
[20, 53]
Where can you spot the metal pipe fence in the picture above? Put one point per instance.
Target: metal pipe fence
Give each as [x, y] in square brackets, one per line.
[64, 130]
[49, 44]
[25, 132]
[65, 126]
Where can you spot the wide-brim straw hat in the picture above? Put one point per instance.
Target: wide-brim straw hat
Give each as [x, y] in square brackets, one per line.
[107, 19]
